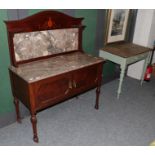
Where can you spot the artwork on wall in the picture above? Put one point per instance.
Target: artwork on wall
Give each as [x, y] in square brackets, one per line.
[117, 24]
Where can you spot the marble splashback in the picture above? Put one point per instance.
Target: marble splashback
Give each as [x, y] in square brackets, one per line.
[42, 43]
[42, 69]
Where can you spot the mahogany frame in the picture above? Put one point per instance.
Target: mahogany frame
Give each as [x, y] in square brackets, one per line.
[27, 92]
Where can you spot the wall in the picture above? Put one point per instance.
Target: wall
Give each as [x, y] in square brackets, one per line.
[152, 35]
[5, 91]
[144, 35]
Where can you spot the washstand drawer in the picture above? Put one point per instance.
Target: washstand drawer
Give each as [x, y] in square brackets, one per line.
[86, 77]
[53, 89]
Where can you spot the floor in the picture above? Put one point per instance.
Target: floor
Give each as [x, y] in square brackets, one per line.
[127, 121]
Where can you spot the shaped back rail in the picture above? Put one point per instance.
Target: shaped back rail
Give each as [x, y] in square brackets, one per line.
[43, 35]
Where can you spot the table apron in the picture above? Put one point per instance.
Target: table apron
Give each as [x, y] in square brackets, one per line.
[136, 58]
[111, 57]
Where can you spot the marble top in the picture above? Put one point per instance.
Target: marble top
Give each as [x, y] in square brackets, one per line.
[36, 44]
[125, 49]
[38, 70]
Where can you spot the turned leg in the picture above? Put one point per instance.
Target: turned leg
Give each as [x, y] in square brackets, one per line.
[34, 127]
[97, 97]
[16, 102]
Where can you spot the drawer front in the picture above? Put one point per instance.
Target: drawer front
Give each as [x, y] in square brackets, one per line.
[85, 78]
[51, 90]
[137, 58]
[55, 89]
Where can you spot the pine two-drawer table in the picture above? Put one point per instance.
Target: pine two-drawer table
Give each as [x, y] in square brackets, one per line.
[124, 54]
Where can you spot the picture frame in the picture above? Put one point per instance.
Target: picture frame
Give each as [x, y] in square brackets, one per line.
[117, 25]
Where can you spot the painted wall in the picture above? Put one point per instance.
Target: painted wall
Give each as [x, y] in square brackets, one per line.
[5, 91]
[144, 35]
[152, 35]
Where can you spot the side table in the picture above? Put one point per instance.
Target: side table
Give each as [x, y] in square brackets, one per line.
[124, 54]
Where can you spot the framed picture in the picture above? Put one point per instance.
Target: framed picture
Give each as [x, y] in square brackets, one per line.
[117, 24]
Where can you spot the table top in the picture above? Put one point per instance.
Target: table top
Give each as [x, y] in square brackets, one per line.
[125, 50]
[41, 69]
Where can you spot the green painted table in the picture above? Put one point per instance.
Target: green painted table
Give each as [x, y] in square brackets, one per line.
[124, 54]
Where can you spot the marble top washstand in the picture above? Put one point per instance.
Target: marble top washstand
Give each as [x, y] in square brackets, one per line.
[48, 63]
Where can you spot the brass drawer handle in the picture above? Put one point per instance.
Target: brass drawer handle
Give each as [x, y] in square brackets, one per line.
[67, 91]
[70, 85]
[74, 84]
[96, 79]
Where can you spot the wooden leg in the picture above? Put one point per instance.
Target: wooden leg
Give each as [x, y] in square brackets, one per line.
[97, 97]
[123, 67]
[16, 102]
[34, 126]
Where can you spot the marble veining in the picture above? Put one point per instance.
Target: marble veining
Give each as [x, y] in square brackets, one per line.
[42, 43]
[41, 69]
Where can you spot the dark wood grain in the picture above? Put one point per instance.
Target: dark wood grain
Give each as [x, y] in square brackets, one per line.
[16, 102]
[125, 50]
[46, 20]
[41, 94]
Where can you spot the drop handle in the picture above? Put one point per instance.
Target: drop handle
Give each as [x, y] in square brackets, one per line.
[74, 84]
[96, 79]
[67, 91]
[70, 85]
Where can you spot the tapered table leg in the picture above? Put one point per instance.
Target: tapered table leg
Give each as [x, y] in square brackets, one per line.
[34, 127]
[16, 102]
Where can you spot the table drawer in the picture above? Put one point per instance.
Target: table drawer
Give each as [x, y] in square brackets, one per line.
[137, 58]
